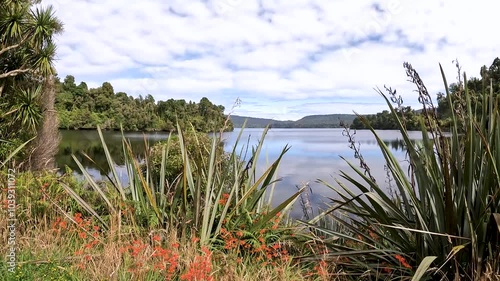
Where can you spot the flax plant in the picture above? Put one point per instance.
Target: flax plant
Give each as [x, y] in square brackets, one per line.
[443, 220]
[207, 196]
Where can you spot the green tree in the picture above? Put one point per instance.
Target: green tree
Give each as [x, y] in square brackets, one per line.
[80, 107]
[27, 52]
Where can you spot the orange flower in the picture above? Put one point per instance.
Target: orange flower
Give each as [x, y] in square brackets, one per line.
[63, 224]
[403, 262]
[156, 238]
[78, 218]
[200, 269]
[224, 198]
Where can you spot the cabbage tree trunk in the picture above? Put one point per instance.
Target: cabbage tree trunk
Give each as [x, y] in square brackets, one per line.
[47, 140]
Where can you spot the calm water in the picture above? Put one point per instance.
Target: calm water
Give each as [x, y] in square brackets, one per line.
[314, 154]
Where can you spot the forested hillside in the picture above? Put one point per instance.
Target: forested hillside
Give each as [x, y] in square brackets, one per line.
[324, 121]
[79, 107]
[251, 122]
[385, 121]
[311, 121]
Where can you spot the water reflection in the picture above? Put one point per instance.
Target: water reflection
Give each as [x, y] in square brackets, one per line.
[80, 143]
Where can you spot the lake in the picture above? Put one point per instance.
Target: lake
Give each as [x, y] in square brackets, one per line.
[314, 154]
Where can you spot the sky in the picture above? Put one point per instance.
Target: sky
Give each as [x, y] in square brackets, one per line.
[283, 59]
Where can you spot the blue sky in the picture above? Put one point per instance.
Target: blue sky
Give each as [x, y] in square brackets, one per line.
[283, 59]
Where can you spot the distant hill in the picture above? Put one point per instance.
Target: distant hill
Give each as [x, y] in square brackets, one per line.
[324, 121]
[311, 121]
[251, 122]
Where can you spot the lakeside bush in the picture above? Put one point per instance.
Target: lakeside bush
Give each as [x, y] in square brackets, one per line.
[197, 145]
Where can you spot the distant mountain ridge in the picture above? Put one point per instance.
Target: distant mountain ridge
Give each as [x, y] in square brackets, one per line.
[310, 121]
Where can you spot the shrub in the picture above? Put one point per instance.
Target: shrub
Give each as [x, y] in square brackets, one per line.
[198, 146]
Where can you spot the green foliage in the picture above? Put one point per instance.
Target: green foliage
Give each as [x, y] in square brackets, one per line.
[443, 208]
[49, 271]
[198, 146]
[82, 108]
[37, 193]
[27, 53]
[384, 120]
[453, 100]
[26, 112]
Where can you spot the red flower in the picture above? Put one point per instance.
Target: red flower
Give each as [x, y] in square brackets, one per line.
[403, 262]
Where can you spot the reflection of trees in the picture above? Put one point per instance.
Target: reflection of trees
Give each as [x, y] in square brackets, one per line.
[394, 144]
[88, 142]
[399, 144]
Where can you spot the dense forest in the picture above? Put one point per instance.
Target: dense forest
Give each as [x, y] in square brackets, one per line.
[489, 80]
[385, 121]
[79, 107]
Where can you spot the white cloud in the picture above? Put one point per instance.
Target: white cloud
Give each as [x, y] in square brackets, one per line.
[279, 53]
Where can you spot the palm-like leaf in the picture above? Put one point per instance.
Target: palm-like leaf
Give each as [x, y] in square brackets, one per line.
[27, 110]
[13, 22]
[28, 34]
[44, 25]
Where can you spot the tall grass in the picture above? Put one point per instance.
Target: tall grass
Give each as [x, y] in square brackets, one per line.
[443, 220]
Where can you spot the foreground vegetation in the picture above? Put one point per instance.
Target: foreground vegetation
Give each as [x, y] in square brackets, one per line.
[214, 220]
[445, 211]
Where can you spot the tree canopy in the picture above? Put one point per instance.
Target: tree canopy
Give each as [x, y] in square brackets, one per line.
[385, 121]
[82, 108]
